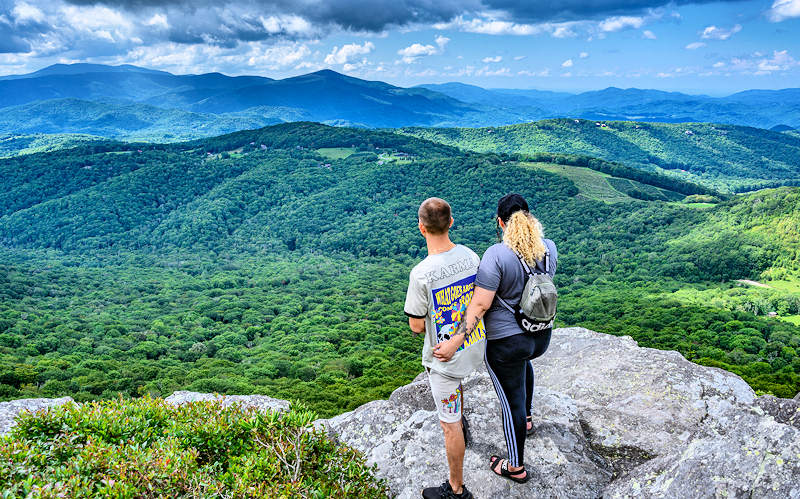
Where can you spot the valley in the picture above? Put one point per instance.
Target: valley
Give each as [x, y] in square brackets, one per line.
[275, 261]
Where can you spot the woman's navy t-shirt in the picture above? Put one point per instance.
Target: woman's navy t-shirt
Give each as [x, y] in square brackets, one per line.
[500, 271]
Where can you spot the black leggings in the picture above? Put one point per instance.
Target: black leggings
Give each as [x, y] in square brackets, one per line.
[508, 362]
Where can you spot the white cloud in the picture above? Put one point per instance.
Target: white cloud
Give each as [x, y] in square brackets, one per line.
[496, 58]
[158, 20]
[563, 31]
[618, 23]
[415, 51]
[488, 26]
[695, 45]
[425, 73]
[716, 33]
[583, 55]
[27, 12]
[293, 25]
[519, 57]
[567, 63]
[348, 52]
[783, 9]
[492, 26]
[780, 61]
[543, 73]
[99, 22]
[759, 64]
[648, 34]
[485, 71]
[277, 57]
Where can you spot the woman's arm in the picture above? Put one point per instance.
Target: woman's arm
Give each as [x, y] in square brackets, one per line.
[481, 301]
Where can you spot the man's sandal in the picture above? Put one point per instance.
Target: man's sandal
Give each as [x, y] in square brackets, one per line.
[529, 431]
[495, 463]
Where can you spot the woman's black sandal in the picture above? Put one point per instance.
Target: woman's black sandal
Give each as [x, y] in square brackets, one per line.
[505, 472]
[529, 431]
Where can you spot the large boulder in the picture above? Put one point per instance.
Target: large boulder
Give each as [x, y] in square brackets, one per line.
[260, 402]
[10, 410]
[612, 419]
[404, 439]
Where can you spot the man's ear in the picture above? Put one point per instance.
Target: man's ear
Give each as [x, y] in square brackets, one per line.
[500, 222]
[451, 222]
[422, 228]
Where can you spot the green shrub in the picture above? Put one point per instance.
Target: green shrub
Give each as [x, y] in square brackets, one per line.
[148, 448]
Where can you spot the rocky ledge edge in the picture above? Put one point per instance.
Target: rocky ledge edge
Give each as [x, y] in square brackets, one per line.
[612, 420]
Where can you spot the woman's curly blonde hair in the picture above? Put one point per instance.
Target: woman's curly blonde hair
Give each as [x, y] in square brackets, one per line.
[524, 234]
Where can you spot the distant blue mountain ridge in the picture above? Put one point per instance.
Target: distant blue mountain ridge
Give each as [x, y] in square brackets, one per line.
[133, 102]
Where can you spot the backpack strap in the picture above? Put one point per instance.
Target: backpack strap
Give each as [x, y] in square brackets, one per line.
[505, 304]
[527, 270]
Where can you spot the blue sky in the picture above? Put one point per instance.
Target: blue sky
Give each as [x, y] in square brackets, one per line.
[699, 47]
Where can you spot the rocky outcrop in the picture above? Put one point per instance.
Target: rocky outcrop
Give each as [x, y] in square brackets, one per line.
[260, 402]
[613, 420]
[10, 410]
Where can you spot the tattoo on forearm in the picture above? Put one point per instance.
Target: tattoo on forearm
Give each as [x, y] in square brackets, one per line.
[466, 327]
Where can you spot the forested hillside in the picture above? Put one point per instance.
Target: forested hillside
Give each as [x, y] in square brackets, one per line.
[275, 261]
[130, 120]
[724, 157]
[18, 144]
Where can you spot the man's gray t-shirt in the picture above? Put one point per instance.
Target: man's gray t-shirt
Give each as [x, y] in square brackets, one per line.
[500, 271]
[440, 288]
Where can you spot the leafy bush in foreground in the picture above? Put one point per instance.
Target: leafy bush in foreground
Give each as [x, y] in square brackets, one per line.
[148, 448]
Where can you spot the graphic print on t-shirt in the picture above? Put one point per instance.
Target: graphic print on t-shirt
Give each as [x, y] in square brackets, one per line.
[449, 305]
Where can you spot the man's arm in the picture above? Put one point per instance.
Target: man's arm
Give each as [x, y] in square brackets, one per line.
[416, 324]
[416, 306]
[481, 301]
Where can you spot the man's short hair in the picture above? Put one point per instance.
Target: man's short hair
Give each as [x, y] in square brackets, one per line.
[435, 214]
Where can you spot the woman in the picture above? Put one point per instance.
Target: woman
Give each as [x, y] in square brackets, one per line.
[509, 349]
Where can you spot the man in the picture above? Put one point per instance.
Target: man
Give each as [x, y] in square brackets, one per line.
[439, 290]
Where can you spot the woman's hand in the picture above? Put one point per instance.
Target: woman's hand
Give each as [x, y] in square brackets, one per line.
[445, 350]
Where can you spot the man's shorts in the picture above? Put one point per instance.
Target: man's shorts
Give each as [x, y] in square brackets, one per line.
[447, 396]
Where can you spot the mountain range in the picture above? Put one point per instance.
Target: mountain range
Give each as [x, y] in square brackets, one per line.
[137, 103]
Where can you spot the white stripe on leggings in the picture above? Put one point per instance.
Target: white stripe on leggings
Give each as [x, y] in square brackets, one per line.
[508, 421]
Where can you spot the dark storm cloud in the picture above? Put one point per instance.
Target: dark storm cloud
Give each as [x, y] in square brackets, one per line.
[225, 23]
[358, 15]
[10, 42]
[15, 33]
[376, 15]
[574, 10]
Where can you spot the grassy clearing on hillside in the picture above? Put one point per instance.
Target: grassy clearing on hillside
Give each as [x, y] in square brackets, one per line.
[700, 206]
[591, 184]
[726, 158]
[794, 319]
[789, 286]
[336, 152]
[748, 296]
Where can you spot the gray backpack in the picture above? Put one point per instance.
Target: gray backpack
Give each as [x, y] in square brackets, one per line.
[537, 307]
